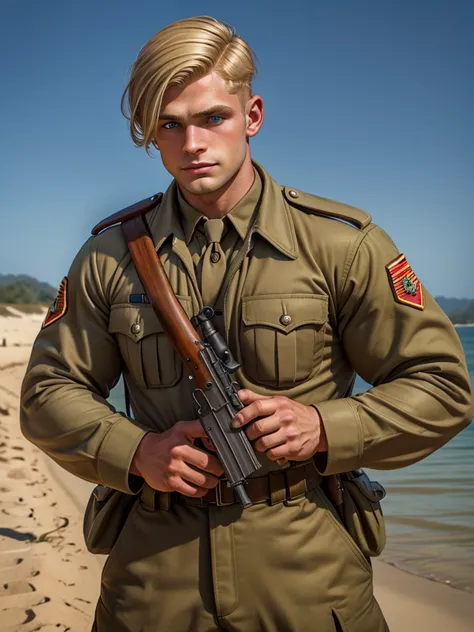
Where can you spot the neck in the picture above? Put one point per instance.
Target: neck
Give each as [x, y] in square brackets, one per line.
[218, 203]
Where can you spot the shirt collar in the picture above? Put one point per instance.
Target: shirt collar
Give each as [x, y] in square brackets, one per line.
[239, 216]
[189, 216]
[274, 222]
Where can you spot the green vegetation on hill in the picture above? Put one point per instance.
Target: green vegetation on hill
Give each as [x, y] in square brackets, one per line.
[22, 289]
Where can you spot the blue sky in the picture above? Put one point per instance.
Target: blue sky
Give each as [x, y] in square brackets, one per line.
[367, 102]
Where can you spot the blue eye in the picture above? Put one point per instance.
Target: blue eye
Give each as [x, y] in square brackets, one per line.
[215, 119]
[172, 123]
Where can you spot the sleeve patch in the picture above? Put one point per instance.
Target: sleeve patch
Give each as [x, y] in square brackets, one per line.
[59, 306]
[405, 285]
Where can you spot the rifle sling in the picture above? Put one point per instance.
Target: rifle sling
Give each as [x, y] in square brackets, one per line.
[174, 320]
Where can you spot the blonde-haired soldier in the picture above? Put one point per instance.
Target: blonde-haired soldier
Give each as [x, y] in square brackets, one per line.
[179, 54]
[307, 293]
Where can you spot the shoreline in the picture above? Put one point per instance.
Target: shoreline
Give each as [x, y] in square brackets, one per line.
[40, 498]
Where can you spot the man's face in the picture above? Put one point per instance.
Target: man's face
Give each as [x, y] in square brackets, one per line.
[202, 134]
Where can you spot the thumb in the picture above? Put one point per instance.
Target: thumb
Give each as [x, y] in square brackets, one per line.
[193, 429]
[248, 397]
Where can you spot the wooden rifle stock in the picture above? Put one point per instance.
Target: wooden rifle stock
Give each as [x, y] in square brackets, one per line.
[171, 314]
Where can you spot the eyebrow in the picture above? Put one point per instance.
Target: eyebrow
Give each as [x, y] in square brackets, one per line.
[216, 109]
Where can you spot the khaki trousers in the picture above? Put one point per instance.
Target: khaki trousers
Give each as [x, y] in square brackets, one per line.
[290, 567]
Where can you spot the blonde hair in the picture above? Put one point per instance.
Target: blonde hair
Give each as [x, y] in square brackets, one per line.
[180, 53]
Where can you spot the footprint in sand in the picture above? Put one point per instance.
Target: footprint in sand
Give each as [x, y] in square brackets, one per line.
[23, 571]
[17, 474]
[21, 511]
[16, 588]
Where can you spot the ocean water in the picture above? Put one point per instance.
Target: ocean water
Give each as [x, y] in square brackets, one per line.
[429, 507]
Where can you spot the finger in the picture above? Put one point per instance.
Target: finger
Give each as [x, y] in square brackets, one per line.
[247, 396]
[278, 453]
[263, 426]
[182, 487]
[207, 443]
[258, 408]
[267, 442]
[201, 460]
[193, 429]
[197, 478]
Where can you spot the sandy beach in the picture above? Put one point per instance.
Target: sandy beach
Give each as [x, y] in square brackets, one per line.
[48, 579]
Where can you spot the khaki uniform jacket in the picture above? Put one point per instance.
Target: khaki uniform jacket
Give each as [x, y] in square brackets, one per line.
[310, 304]
[321, 263]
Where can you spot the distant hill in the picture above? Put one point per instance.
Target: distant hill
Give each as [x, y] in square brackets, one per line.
[459, 310]
[453, 305]
[26, 290]
[464, 317]
[23, 289]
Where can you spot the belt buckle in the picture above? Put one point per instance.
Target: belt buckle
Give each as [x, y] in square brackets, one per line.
[219, 501]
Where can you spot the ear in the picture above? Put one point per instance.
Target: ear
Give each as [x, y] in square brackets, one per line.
[254, 115]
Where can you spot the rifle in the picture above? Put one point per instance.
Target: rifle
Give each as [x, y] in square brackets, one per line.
[209, 361]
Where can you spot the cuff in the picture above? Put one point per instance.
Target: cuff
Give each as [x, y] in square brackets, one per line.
[116, 454]
[344, 436]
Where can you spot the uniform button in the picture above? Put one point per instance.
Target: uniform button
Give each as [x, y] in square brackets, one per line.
[285, 319]
[215, 257]
[136, 329]
[293, 194]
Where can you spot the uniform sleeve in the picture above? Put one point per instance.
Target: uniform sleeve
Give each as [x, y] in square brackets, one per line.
[74, 363]
[421, 395]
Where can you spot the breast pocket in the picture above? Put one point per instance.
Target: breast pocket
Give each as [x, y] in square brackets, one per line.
[145, 348]
[282, 337]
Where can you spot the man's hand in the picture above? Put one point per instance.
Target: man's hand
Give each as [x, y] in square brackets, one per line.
[170, 462]
[281, 427]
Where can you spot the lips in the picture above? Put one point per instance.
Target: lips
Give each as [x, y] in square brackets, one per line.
[203, 167]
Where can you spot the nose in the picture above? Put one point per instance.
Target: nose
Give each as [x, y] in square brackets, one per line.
[194, 142]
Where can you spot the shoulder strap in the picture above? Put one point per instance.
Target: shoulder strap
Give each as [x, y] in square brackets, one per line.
[135, 210]
[327, 208]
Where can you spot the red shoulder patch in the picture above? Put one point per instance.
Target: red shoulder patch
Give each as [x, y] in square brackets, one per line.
[59, 305]
[405, 285]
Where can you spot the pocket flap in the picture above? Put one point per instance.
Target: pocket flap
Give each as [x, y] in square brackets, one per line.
[285, 312]
[138, 321]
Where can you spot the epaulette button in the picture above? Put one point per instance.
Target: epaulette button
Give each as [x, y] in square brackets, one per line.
[293, 194]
